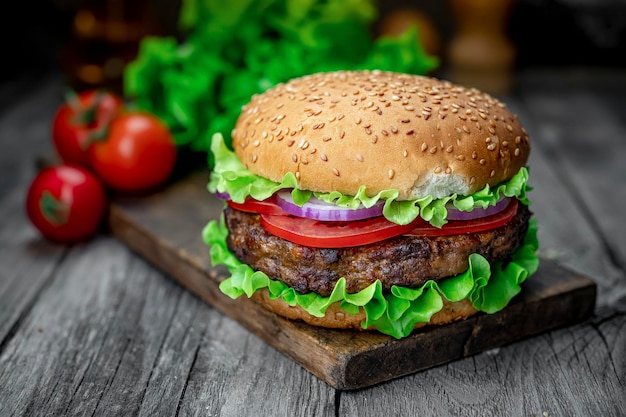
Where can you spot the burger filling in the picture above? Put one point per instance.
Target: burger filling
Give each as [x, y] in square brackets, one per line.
[405, 260]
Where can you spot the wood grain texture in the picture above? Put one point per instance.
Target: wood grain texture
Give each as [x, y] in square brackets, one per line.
[343, 359]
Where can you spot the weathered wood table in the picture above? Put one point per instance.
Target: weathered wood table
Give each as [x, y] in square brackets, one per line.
[96, 329]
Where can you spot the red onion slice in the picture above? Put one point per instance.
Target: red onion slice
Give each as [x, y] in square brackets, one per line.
[222, 196]
[477, 213]
[320, 210]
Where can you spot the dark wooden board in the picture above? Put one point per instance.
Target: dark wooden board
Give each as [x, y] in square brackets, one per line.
[165, 228]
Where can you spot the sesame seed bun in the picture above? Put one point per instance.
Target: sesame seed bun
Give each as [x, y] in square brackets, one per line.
[340, 130]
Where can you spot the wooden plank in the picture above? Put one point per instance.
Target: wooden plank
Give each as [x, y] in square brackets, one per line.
[165, 228]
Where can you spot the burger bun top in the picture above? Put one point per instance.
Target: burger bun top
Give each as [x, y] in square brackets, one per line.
[338, 131]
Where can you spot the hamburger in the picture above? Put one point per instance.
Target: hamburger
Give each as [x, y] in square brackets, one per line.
[374, 200]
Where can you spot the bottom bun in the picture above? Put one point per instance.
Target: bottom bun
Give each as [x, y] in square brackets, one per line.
[336, 318]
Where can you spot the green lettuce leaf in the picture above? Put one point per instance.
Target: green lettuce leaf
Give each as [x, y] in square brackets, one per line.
[490, 288]
[230, 176]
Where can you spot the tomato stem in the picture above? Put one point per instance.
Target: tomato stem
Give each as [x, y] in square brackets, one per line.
[53, 209]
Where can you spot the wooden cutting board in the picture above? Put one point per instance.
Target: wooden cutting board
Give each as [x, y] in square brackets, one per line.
[165, 228]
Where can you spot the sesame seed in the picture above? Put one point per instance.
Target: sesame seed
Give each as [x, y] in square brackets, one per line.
[492, 174]
[323, 157]
[253, 158]
[472, 180]
[518, 140]
[505, 143]
[294, 157]
[291, 142]
[448, 170]
[359, 157]
[410, 132]
[466, 129]
[336, 171]
[438, 170]
[449, 149]
[384, 132]
[482, 162]
[517, 152]
[405, 153]
[460, 158]
[391, 174]
[474, 155]
[492, 146]
[433, 150]
[256, 143]
[326, 138]
[358, 121]
[509, 128]
[424, 146]
[343, 134]
[394, 129]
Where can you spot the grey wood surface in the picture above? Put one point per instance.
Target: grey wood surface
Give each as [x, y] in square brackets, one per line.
[94, 329]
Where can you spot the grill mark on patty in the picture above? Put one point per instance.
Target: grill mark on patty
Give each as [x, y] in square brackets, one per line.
[407, 261]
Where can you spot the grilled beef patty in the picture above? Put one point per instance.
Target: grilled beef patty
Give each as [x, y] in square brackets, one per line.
[407, 261]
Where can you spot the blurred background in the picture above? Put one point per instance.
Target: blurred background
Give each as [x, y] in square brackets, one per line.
[478, 42]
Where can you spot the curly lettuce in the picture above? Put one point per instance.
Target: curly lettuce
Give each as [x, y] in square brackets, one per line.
[489, 287]
[229, 175]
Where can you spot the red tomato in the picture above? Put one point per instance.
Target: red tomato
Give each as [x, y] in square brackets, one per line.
[66, 203]
[320, 234]
[138, 153]
[80, 118]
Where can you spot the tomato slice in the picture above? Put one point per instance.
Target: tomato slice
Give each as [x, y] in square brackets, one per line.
[321, 234]
[251, 205]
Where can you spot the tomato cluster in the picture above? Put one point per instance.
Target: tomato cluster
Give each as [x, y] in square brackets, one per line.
[103, 146]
